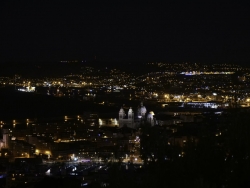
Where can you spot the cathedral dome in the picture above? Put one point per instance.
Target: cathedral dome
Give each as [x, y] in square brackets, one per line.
[141, 110]
[150, 115]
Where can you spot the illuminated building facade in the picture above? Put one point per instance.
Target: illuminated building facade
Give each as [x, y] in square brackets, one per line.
[129, 121]
[141, 111]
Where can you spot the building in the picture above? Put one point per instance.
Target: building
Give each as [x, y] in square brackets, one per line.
[134, 122]
[151, 119]
[4, 143]
[141, 111]
[126, 121]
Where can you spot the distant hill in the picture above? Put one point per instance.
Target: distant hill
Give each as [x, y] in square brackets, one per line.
[58, 69]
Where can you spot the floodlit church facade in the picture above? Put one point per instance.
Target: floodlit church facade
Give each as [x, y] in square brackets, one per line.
[132, 121]
[126, 121]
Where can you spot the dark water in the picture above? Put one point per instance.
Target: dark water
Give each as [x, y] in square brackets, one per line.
[15, 105]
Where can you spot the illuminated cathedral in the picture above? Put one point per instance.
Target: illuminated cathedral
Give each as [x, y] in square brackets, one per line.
[134, 122]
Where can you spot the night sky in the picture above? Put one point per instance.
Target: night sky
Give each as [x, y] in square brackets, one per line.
[173, 31]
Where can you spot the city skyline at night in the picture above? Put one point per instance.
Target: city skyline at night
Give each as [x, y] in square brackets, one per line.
[124, 94]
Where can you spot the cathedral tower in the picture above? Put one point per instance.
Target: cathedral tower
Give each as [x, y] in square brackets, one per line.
[130, 114]
[121, 114]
